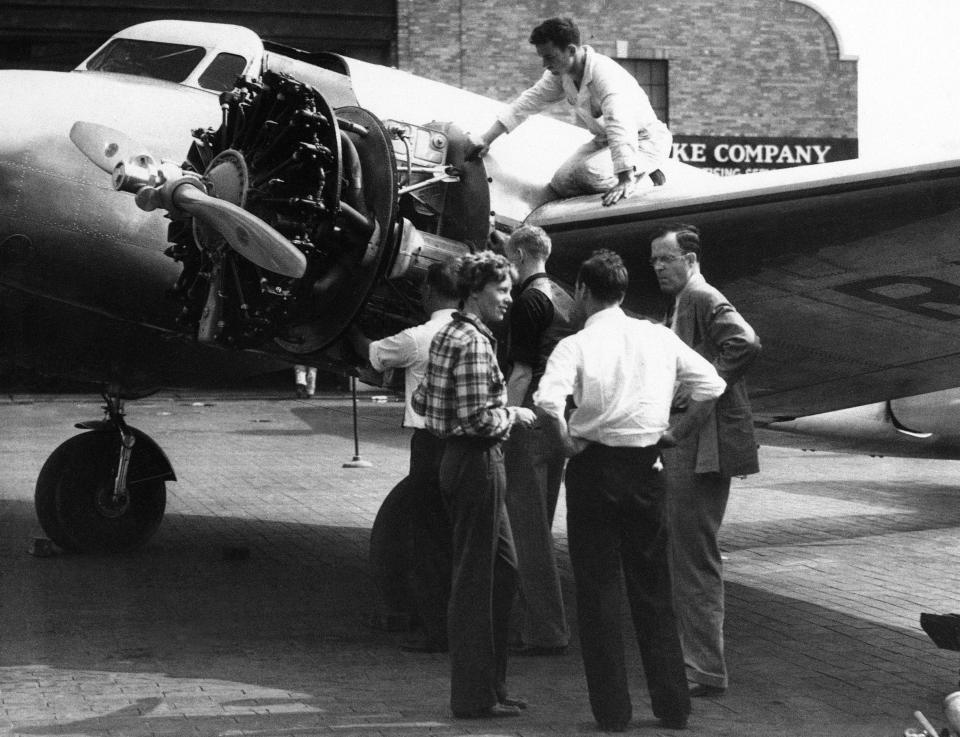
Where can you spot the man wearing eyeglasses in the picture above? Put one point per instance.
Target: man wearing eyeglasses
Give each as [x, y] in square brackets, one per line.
[700, 467]
[629, 142]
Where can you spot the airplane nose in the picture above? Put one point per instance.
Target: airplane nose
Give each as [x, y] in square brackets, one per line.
[51, 194]
[40, 167]
[37, 166]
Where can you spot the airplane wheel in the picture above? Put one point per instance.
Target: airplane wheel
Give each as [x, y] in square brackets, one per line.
[74, 498]
[391, 552]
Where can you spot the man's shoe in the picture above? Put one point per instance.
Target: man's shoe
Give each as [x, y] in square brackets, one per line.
[423, 646]
[538, 650]
[658, 178]
[514, 701]
[675, 723]
[491, 712]
[610, 727]
[701, 690]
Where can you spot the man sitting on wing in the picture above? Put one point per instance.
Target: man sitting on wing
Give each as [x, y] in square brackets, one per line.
[629, 140]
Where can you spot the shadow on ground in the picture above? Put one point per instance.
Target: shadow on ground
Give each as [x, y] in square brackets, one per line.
[278, 643]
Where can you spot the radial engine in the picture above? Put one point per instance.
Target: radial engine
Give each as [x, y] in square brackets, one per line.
[368, 203]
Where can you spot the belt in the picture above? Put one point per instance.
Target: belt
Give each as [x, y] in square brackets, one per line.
[651, 452]
[472, 440]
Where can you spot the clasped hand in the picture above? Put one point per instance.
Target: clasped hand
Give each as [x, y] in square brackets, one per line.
[524, 417]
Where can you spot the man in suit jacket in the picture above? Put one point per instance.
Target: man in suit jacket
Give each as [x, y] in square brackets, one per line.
[700, 467]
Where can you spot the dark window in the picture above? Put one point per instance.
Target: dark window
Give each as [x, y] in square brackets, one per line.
[16, 50]
[222, 73]
[652, 76]
[51, 53]
[170, 62]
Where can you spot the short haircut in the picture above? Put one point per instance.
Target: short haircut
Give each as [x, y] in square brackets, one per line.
[561, 32]
[531, 239]
[442, 279]
[688, 236]
[605, 276]
[481, 268]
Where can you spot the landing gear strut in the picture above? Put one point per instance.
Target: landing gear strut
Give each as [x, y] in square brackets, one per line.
[103, 490]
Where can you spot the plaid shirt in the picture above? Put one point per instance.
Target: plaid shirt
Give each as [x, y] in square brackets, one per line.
[463, 392]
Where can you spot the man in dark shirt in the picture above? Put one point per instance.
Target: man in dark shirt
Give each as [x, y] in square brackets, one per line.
[463, 400]
[539, 318]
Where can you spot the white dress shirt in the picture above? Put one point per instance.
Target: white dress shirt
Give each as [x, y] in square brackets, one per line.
[621, 373]
[609, 103]
[409, 349]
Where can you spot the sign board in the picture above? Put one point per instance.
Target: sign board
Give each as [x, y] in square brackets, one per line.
[729, 155]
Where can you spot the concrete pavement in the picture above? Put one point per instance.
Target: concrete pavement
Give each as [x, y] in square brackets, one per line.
[830, 560]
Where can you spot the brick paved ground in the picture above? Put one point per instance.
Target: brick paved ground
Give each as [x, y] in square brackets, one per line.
[830, 560]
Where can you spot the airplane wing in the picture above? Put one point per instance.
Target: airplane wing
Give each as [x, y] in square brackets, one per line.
[849, 273]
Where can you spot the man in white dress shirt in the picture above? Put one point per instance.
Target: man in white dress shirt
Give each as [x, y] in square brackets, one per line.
[424, 511]
[620, 372]
[629, 142]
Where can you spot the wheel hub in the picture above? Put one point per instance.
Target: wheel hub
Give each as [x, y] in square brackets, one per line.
[110, 506]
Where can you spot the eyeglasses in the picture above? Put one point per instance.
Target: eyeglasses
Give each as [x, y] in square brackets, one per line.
[669, 259]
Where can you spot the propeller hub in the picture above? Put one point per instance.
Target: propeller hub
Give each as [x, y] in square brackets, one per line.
[137, 172]
[228, 179]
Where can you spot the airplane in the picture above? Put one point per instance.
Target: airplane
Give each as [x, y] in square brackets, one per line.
[922, 426]
[193, 204]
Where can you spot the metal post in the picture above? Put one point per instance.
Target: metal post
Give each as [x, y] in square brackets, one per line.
[357, 461]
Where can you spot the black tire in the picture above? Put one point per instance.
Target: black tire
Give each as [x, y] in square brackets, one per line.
[76, 474]
[391, 551]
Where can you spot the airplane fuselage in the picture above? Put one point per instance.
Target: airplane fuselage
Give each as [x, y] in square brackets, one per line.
[83, 274]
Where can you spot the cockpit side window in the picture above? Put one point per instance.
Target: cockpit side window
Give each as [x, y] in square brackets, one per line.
[222, 73]
[166, 61]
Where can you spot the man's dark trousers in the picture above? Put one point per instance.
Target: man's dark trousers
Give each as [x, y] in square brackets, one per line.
[615, 518]
[473, 484]
[431, 536]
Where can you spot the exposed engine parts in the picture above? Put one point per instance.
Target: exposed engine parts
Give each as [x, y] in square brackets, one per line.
[367, 203]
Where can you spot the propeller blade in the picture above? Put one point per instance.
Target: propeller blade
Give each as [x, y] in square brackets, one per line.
[105, 146]
[249, 236]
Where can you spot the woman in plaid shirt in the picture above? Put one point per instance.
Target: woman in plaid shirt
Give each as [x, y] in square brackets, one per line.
[463, 400]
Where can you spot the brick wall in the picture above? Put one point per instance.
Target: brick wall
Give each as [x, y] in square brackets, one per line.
[736, 67]
[40, 34]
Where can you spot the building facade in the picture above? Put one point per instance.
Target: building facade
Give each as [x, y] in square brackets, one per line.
[744, 85]
[41, 35]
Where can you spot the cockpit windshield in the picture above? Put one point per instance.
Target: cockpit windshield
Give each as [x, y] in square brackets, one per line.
[166, 61]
